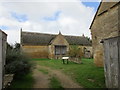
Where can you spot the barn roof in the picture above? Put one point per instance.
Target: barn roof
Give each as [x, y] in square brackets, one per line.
[30, 38]
[103, 7]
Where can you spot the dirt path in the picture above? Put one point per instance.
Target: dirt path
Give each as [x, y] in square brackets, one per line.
[42, 80]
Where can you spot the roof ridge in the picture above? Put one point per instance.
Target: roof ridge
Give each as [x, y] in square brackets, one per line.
[37, 33]
[51, 34]
[72, 36]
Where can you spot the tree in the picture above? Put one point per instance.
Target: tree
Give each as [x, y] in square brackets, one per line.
[16, 62]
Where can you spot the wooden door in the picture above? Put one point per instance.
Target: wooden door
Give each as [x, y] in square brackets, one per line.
[112, 62]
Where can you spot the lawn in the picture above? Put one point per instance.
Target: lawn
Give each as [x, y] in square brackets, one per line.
[26, 81]
[86, 74]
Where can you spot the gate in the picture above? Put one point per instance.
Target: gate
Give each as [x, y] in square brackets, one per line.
[112, 62]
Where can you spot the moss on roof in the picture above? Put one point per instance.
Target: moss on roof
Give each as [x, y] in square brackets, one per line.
[30, 38]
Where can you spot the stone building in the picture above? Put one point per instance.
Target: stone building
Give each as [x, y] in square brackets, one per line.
[39, 45]
[105, 25]
[3, 38]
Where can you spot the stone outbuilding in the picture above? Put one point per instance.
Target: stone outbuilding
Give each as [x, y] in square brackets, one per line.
[3, 41]
[39, 45]
[106, 24]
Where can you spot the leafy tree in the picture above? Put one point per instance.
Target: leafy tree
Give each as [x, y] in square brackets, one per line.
[17, 47]
[16, 62]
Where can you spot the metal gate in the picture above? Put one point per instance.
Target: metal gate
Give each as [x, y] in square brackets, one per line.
[112, 62]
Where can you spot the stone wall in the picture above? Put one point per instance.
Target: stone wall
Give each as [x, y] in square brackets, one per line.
[59, 40]
[104, 26]
[83, 53]
[36, 51]
[51, 51]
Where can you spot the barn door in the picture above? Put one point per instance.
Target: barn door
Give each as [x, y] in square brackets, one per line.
[111, 62]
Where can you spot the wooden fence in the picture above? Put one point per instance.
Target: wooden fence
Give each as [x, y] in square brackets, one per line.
[3, 37]
[112, 62]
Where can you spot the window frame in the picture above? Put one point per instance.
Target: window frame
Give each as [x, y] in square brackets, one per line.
[60, 49]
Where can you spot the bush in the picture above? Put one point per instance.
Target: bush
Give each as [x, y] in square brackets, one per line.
[74, 52]
[16, 62]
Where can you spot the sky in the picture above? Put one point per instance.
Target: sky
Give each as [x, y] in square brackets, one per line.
[71, 17]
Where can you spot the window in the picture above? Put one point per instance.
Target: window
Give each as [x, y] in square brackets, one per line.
[60, 50]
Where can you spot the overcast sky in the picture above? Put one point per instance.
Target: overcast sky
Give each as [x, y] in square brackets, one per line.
[71, 17]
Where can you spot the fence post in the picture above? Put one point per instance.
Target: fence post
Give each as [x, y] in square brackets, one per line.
[3, 37]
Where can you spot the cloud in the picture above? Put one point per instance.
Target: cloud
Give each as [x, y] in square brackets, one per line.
[57, 1]
[52, 18]
[4, 27]
[71, 18]
[19, 17]
[13, 36]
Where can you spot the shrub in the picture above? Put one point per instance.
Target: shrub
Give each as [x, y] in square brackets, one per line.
[16, 62]
[74, 52]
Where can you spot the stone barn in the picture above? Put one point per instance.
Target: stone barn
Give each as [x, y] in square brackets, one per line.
[105, 25]
[39, 45]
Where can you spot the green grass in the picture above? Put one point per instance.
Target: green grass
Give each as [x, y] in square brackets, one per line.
[86, 74]
[26, 81]
[54, 83]
[45, 71]
[37, 59]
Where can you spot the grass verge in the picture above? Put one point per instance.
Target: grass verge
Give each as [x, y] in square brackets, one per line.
[26, 81]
